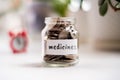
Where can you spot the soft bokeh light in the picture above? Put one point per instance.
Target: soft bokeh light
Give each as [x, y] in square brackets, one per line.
[74, 5]
[14, 23]
[86, 6]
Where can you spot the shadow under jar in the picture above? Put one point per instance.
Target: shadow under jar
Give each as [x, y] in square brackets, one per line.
[60, 41]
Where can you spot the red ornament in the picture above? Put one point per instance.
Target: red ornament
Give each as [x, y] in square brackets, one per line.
[19, 41]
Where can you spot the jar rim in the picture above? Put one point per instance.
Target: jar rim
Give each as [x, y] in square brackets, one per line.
[53, 20]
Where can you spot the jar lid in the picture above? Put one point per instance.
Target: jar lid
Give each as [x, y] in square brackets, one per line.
[60, 20]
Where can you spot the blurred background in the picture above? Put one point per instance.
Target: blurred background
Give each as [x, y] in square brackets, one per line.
[98, 24]
[99, 29]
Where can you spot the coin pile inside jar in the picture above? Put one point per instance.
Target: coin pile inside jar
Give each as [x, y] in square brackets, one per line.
[61, 30]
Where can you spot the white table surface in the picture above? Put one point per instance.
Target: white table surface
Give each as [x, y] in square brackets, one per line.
[93, 65]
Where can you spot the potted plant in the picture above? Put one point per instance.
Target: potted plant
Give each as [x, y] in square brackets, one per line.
[105, 31]
[103, 21]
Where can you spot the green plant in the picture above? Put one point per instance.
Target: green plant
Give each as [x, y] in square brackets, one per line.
[60, 6]
[103, 6]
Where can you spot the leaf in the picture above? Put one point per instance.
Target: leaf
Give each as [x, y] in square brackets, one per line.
[118, 0]
[101, 2]
[81, 2]
[103, 8]
[68, 1]
[60, 7]
[118, 5]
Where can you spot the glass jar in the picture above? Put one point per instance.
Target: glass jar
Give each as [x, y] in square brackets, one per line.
[60, 41]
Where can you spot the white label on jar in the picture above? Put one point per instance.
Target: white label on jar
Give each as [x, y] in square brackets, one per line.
[61, 47]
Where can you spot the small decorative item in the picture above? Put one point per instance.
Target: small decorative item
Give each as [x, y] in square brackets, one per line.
[60, 41]
[19, 41]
